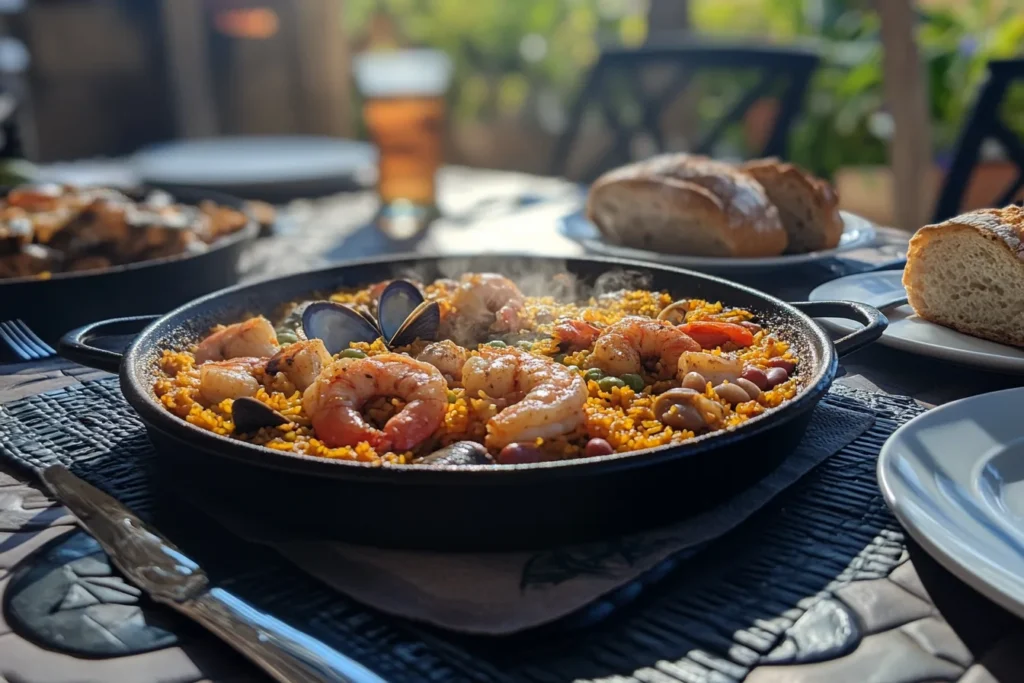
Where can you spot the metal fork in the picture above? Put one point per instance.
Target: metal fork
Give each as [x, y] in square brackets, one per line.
[25, 344]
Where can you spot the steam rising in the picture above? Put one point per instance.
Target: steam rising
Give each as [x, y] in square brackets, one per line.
[534, 277]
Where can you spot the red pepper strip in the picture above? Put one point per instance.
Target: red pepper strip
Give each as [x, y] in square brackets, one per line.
[710, 334]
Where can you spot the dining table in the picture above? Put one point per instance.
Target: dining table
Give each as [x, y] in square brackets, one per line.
[914, 621]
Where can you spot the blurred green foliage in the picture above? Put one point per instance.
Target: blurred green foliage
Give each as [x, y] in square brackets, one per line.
[529, 58]
[844, 121]
[507, 52]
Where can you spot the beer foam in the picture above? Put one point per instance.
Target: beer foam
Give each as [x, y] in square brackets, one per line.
[402, 72]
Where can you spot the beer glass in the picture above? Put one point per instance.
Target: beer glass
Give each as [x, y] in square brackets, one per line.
[404, 110]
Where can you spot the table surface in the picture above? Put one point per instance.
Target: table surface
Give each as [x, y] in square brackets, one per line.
[485, 211]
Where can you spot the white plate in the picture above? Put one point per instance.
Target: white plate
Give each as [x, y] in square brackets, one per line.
[278, 166]
[954, 477]
[857, 233]
[908, 332]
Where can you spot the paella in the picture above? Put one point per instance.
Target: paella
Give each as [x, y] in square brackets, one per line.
[473, 371]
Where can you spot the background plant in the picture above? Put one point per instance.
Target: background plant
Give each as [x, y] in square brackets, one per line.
[528, 58]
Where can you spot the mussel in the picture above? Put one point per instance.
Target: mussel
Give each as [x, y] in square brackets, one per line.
[459, 454]
[249, 415]
[402, 317]
[423, 323]
[337, 325]
[396, 304]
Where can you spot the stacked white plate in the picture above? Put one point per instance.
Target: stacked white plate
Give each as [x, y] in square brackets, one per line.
[954, 477]
[909, 332]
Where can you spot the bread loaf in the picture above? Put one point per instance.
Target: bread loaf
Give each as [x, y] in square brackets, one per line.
[686, 204]
[968, 274]
[808, 206]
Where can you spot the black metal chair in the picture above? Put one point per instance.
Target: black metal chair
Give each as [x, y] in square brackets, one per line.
[615, 87]
[983, 123]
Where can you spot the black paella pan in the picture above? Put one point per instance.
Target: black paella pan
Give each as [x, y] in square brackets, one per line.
[55, 305]
[483, 507]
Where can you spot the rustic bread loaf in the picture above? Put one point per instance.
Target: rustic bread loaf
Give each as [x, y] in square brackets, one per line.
[808, 206]
[968, 273]
[686, 204]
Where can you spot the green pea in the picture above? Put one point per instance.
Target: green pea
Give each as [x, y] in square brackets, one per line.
[287, 337]
[451, 396]
[352, 353]
[634, 382]
[593, 374]
[607, 383]
[525, 345]
[560, 358]
[497, 343]
[574, 368]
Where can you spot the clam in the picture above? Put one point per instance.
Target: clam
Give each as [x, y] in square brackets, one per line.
[249, 415]
[337, 325]
[402, 317]
[458, 454]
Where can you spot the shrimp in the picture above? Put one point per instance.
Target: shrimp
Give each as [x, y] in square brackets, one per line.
[549, 398]
[333, 401]
[446, 356]
[489, 299]
[300, 362]
[233, 378]
[623, 347]
[713, 368]
[254, 337]
[44, 197]
[575, 334]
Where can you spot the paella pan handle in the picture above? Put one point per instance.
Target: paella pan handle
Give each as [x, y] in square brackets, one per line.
[873, 320]
[79, 345]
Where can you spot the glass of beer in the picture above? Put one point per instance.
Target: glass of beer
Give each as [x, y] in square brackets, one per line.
[404, 110]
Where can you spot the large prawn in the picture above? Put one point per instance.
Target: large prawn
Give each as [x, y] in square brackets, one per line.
[488, 300]
[547, 398]
[254, 337]
[626, 345]
[334, 400]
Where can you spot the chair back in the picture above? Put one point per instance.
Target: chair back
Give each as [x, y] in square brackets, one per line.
[632, 90]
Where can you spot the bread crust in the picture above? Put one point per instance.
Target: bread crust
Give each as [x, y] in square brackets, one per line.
[785, 183]
[730, 208]
[1004, 227]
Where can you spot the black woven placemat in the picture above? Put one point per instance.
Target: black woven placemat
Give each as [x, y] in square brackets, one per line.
[710, 618]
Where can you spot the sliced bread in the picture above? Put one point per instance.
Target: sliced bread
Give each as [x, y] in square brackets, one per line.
[967, 273]
[808, 206]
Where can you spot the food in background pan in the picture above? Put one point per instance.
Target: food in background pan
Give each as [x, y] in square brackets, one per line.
[47, 229]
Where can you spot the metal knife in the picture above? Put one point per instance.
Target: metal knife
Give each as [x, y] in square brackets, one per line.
[156, 566]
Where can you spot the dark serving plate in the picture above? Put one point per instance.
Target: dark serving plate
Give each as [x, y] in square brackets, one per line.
[53, 306]
[482, 507]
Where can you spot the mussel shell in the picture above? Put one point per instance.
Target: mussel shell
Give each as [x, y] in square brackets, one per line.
[459, 454]
[336, 325]
[367, 315]
[249, 415]
[423, 323]
[397, 302]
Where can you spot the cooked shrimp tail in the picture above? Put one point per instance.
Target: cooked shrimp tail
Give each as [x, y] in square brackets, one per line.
[575, 334]
[233, 378]
[254, 337]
